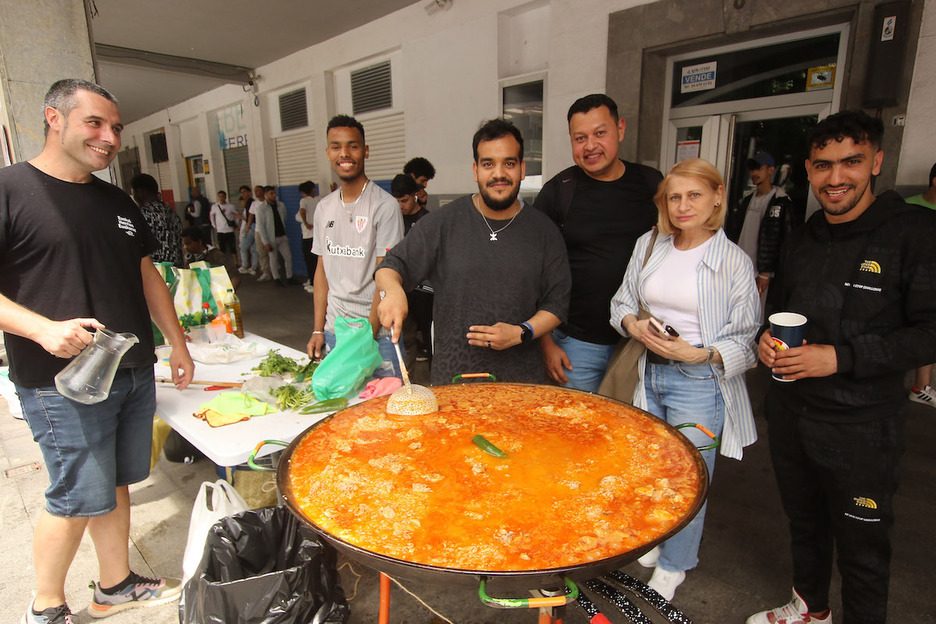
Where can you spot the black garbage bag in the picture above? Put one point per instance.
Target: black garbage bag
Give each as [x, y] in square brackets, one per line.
[264, 567]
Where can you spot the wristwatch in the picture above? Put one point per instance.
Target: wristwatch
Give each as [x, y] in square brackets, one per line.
[526, 334]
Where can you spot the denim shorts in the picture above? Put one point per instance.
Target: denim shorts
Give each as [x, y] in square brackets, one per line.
[90, 450]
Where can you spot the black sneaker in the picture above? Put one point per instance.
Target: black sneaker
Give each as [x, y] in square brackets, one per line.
[140, 591]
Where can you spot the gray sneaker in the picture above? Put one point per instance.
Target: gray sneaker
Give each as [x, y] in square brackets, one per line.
[139, 592]
[54, 615]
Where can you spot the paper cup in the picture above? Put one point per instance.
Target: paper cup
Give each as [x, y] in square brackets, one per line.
[162, 354]
[787, 330]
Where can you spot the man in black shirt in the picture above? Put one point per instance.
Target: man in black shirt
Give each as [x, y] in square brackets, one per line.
[602, 205]
[421, 170]
[861, 271]
[75, 255]
[405, 188]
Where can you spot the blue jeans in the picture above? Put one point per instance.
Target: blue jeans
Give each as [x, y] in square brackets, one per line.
[686, 393]
[90, 450]
[589, 361]
[248, 249]
[390, 366]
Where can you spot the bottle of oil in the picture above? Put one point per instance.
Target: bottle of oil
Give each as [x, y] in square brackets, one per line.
[232, 304]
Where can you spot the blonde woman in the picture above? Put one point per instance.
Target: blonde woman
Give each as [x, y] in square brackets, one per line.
[701, 288]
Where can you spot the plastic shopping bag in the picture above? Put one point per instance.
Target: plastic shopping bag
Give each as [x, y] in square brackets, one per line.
[214, 501]
[200, 284]
[355, 357]
[264, 567]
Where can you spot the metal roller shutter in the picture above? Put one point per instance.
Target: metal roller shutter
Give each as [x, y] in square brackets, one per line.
[295, 158]
[164, 175]
[386, 137]
[236, 170]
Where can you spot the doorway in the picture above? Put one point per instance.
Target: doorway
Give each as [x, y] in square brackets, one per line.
[784, 138]
[725, 104]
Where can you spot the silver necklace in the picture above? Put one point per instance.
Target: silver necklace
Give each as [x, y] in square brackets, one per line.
[347, 208]
[494, 232]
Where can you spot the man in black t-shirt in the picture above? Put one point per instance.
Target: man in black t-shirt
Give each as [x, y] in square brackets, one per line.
[418, 325]
[75, 255]
[602, 205]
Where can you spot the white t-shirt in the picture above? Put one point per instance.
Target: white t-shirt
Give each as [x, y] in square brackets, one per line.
[349, 238]
[309, 204]
[756, 209]
[218, 214]
[671, 291]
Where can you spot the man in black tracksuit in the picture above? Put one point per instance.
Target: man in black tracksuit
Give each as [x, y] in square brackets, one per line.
[863, 271]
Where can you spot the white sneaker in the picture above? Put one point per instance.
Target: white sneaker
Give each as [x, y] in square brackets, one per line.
[666, 582]
[307, 283]
[926, 396]
[252, 271]
[243, 270]
[266, 277]
[650, 558]
[309, 289]
[794, 612]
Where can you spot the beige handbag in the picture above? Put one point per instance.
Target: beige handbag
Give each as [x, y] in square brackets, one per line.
[620, 379]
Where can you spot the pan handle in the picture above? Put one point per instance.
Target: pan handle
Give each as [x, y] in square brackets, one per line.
[709, 447]
[529, 603]
[458, 378]
[253, 454]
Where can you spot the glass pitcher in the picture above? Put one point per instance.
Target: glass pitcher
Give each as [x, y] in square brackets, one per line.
[88, 377]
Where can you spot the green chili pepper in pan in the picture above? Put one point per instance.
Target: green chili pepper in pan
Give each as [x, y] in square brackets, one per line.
[329, 405]
[487, 447]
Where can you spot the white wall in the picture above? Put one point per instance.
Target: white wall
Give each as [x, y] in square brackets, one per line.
[449, 72]
[918, 151]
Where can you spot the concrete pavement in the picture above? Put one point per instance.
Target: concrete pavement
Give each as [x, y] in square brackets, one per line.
[744, 559]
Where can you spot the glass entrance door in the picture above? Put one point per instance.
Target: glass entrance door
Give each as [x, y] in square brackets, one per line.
[784, 138]
[725, 104]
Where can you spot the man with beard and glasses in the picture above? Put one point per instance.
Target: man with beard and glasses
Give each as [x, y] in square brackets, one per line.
[354, 226]
[499, 270]
[861, 271]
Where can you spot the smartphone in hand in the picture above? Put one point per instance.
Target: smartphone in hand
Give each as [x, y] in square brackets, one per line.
[664, 331]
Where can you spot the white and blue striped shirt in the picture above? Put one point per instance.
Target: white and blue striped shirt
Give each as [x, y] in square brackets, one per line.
[729, 316]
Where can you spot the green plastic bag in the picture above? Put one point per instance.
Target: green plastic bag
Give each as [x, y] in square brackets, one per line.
[355, 357]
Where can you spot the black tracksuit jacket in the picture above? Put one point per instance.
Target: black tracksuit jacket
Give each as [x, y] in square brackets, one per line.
[778, 220]
[868, 288]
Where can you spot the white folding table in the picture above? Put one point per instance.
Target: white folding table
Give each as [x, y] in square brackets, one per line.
[229, 445]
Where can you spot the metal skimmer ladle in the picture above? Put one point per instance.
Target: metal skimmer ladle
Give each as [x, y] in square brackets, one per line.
[411, 399]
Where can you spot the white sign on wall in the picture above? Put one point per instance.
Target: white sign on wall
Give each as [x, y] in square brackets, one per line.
[887, 28]
[698, 77]
[232, 127]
